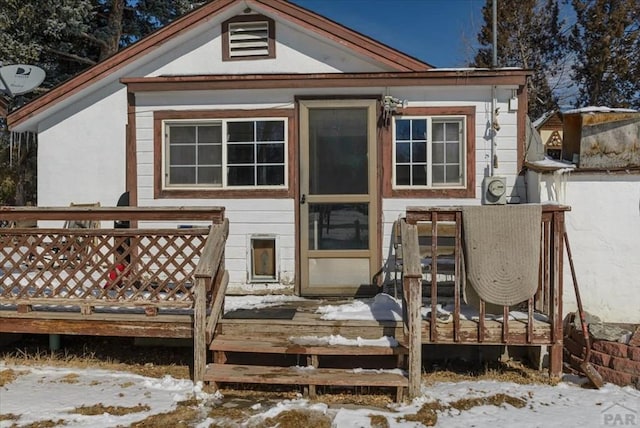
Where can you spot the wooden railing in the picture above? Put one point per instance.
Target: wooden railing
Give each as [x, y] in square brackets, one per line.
[176, 264]
[547, 300]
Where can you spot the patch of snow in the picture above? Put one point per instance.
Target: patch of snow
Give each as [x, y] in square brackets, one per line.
[385, 341]
[43, 393]
[382, 307]
[232, 303]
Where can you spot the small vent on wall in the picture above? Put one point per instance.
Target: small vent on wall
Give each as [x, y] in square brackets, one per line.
[249, 39]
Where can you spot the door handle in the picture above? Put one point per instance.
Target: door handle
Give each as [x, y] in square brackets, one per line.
[303, 199]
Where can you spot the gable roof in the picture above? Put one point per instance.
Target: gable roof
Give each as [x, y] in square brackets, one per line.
[283, 9]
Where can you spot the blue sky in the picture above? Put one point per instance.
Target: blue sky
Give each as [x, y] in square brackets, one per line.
[442, 33]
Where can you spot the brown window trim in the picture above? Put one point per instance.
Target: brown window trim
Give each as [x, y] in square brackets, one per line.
[248, 18]
[388, 163]
[162, 115]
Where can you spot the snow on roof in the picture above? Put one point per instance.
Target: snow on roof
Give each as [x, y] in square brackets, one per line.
[599, 109]
[551, 165]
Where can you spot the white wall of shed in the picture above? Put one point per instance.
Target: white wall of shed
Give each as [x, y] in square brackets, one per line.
[604, 233]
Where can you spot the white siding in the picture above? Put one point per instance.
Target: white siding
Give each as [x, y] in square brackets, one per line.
[604, 231]
[277, 216]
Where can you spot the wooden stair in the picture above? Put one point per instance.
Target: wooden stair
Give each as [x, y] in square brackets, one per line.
[313, 374]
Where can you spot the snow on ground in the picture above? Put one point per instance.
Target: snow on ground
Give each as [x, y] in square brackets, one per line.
[42, 393]
[45, 393]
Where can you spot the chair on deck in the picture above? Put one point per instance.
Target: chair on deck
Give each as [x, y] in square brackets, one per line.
[81, 224]
[446, 241]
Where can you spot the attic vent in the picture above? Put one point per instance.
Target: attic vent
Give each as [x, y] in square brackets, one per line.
[248, 37]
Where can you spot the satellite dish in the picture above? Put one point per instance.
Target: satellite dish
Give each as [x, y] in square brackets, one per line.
[18, 79]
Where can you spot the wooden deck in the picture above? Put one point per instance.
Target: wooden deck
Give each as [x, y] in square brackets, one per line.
[154, 280]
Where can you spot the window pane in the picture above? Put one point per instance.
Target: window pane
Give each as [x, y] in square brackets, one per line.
[403, 152]
[338, 139]
[241, 176]
[240, 131]
[210, 175]
[182, 134]
[240, 153]
[438, 174]
[182, 155]
[270, 175]
[210, 154]
[182, 175]
[270, 130]
[419, 129]
[419, 175]
[403, 129]
[403, 175]
[453, 174]
[271, 153]
[453, 133]
[209, 134]
[438, 132]
[419, 152]
[338, 226]
[438, 153]
[453, 152]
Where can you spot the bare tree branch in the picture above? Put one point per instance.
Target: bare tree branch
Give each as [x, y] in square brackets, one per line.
[76, 58]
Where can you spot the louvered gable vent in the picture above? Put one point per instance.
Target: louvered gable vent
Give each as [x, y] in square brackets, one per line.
[249, 38]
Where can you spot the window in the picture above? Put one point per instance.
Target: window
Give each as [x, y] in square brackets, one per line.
[248, 37]
[225, 153]
[429, 152]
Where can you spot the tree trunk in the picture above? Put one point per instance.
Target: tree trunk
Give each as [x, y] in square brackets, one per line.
[114, 29]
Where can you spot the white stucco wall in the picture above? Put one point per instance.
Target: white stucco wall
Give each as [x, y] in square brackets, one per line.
[604, 233]
[81, 151]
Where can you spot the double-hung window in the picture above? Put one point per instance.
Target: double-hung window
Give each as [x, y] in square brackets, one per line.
[225, 153]
[429, 152]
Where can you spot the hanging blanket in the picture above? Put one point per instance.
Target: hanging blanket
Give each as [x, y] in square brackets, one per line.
[502, 251]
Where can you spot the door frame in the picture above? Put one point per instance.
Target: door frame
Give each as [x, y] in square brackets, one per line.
[373, 195]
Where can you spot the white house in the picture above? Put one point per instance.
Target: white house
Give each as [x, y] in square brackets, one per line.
[313, 136]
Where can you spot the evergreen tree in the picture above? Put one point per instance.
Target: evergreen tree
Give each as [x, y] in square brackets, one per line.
[606, 43]
[65, 37]
[529, 36]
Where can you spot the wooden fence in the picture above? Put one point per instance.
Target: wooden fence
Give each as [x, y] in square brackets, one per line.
[170, 262]
[528, 331]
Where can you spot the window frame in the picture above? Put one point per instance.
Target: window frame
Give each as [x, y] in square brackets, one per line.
[271, 45]
[467, 114]
[429, 162]
[161, 147]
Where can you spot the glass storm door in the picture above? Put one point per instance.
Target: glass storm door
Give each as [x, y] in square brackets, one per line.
[338, 197]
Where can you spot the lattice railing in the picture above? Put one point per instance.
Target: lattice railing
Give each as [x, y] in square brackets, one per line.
[103, 267]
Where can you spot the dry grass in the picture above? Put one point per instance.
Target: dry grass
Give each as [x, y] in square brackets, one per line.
[427, 415]
[9, 417]
[297, 419]
[44, 424]
[511, 371]
[9, 375]
[99, 409]
[109, 353]
[378, 421]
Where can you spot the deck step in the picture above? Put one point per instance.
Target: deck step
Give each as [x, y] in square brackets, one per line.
[280, 345]
[238, 373]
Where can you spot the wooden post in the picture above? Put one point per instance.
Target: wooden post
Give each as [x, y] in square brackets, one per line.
[555, 353]
[412, 284]
[199, 324]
